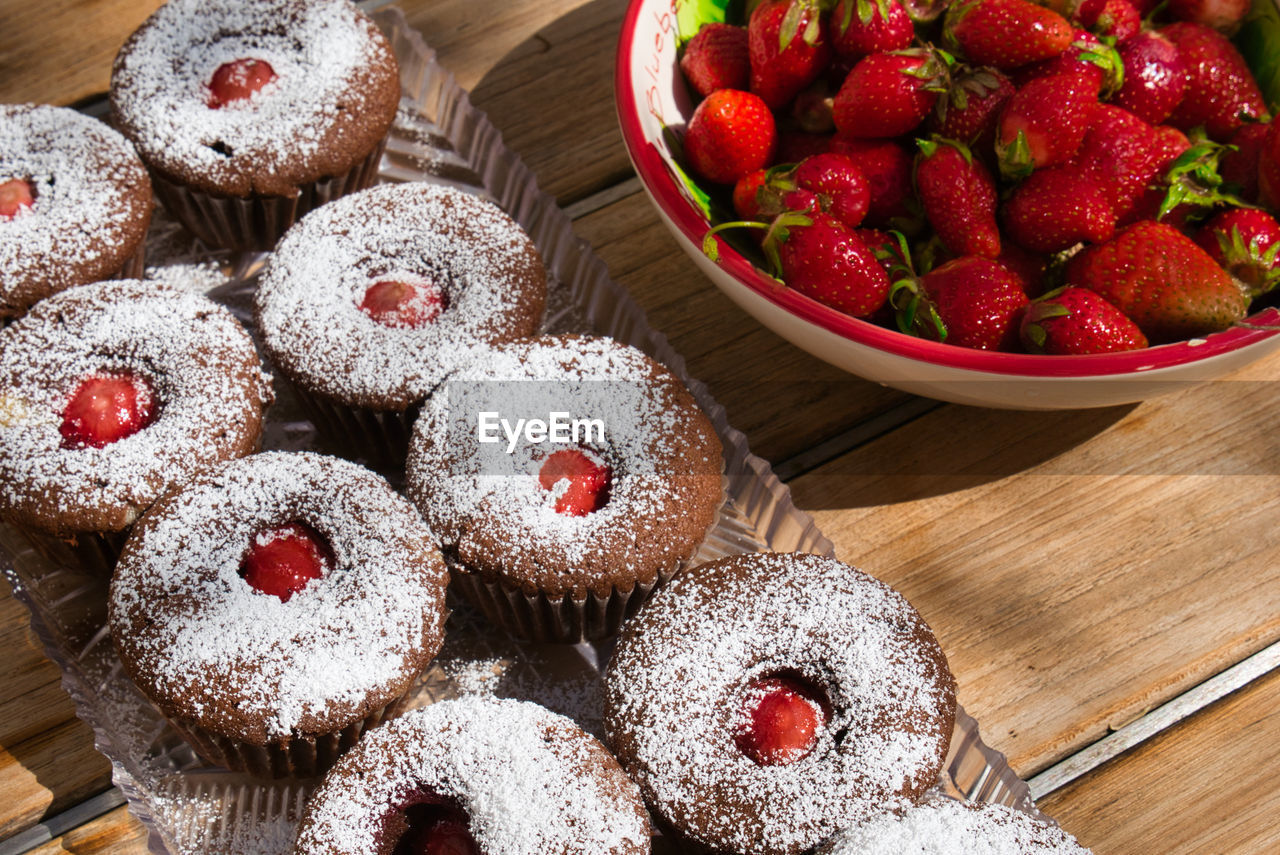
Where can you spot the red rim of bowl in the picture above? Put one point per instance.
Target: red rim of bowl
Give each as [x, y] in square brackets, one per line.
[658, 180]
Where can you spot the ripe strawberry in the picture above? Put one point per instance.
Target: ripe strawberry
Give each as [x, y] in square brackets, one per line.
[1029, 267]
[968, 111]
[1005, 33]
[1077, 321]
[1239, 165]
[1222, 15]
[716, 58]
[1056, 208]
[1162, 281]
[977, 301]
[860, 27]
[1155, 76]
[281, 561]
[1115, 18]
[789, 48]
[746, 194]
[1043, 123]
[1120, 150]
[825, 260]
[579, 479]
[1087, 56]
[237, 81]
[731, 133]
[889, 94]
[812, 110]
[1220, 88]
[838, 184]
[447, 836]
[887, 167]
[1269, 167]
[780, 721]
[1246, 242]
[107, 407]
[959, 198]
[15, 195]
[403, 305]
[1189, 182]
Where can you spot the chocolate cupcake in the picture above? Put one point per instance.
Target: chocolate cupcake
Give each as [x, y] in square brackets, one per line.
[251, 114]
[764, 702]
[558, 533]
[476, 775]
[277, 607]
[112, 394]
[942, 826]
[370, 302]
[75, 203]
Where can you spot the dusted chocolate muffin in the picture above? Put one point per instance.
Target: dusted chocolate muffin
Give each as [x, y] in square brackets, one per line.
[112, 394]
[75, 203]
[764, 702]
[250, 114]
[277, 607]
[941, 826]
[368, 303]
[501, 777]
[562, 538]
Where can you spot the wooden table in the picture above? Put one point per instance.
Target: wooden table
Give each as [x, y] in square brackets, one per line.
[1104, 582]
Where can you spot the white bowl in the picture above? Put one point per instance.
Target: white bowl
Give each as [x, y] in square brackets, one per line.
[651, 95]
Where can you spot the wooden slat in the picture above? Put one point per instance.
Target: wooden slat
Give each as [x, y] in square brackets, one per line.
[1079, 567]
[114, 833]
[783, 399]
[47, 758]
[1206, 786]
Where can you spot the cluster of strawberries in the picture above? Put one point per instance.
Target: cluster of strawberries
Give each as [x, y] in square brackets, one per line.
[1058, 178]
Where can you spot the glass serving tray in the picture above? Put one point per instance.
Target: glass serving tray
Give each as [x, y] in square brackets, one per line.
[190, 807]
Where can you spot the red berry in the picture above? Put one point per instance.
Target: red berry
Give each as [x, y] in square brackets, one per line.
[447, 837]
[1006, 33]
[840, 186]
[1155, 77]
[1239, 164]
[1269, 167]
[968, 112]
[746, 195]
[1057, 208]
[403, 305]
[283, 559]
[1077, 321]
[827, 261]
[1044, 123]
[1246, 242]
[959, 197]
[579, 478]
[238, 80]
[782, 66]
[780, 720]
[107, 407]
[887, 167]
[15, 195]
[1086, 57]
[978, 301]
[1220, 87]
[1118, 19]
[860, 27]
[888, 94]
[1123, 153]
[1222, 15]
[716, 58]
[731, 134]
[795, 146]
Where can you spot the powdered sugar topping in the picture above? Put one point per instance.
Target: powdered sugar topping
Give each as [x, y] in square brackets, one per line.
[676, 686]
[197, 359]
[92, 201]
[309, 298]
[530, 780]
[477, 495]
[215, 649]
[941, 826]
[321, 52]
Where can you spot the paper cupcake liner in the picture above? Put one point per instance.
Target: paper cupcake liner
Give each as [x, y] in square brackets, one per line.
[566, 619]
[380, 437]
[294, 756]
[92, 551]
[257, 222]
